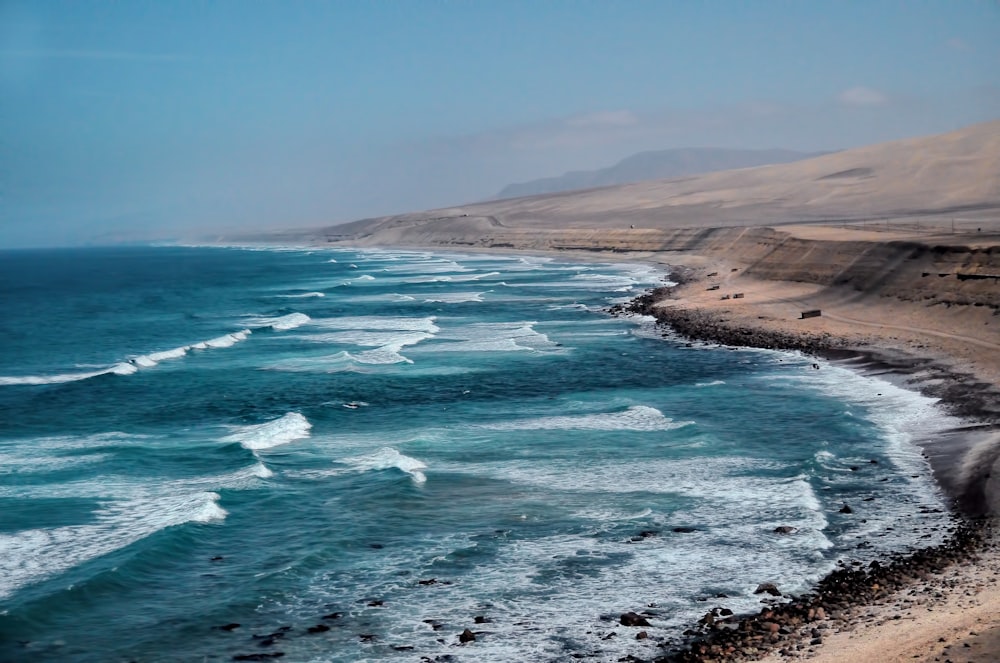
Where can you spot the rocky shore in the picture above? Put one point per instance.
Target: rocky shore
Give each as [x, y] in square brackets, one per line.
[795, 626]
[840, 600]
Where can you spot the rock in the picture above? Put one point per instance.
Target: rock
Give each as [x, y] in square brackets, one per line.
[646, 533]
[258, 657]
[726, 612]
[429, 581]
[767, 588]
[466, 636]
[685, 530]
[633, 619]
[319, 628]
[332, 615]
[366, 637]
[229, 627]
[375, 604]
[481, 619]
[784, 529]
[846, 509]
[641, 635]
[769, 627]
[217, 558]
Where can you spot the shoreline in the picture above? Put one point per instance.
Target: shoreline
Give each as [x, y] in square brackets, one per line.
[843, 617]
[962, 461]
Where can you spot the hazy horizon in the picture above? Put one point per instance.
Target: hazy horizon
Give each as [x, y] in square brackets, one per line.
[145, 121]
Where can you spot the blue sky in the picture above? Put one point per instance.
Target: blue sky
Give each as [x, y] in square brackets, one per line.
[132, 120]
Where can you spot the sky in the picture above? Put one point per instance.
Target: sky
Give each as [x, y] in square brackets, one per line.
[142, 120]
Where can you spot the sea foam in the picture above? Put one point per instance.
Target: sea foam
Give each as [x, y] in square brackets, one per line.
[32, 555]
[388, 458]
[639, 418]
[288, 428]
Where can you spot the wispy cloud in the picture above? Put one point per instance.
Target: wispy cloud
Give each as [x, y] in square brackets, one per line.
[863, 96]
[69, 54]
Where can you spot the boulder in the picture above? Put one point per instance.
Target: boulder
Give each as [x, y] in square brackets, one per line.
[767, 588]
[633, 619]
[466, 636]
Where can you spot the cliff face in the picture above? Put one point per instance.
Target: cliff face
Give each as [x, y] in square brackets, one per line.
[928, 273]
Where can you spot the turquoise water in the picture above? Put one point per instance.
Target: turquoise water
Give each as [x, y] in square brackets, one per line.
[195, 437]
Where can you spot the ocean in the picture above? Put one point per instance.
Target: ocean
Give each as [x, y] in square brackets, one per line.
[356, 455]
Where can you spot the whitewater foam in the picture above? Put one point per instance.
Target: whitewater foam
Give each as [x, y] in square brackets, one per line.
[493, 337]
[640, 418]
[389, 458]
[32, 555]
[227, 340]
[256, 437]
[303, 295]
[455, 298]
[281, 323]
[375, 323]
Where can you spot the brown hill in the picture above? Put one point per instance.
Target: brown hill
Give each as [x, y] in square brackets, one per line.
[951, 174]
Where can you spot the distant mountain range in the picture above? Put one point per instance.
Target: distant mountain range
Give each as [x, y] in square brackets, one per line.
[655, 165]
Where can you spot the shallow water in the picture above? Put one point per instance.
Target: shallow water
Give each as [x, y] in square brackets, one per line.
[195, 437]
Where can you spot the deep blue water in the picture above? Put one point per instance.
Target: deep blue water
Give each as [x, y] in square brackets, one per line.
[193, 437]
